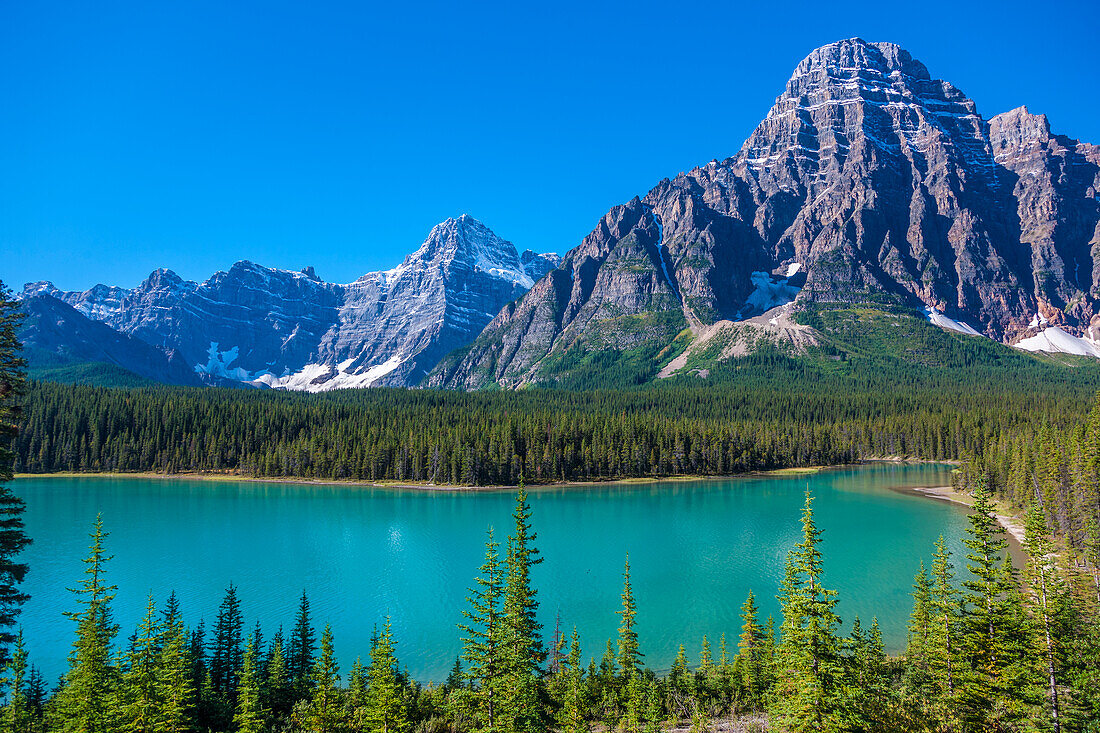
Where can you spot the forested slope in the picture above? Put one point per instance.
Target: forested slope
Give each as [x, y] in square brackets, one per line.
[770, 411]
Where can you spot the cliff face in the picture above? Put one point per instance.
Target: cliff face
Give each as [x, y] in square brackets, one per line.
[867, 182]
[284, 329]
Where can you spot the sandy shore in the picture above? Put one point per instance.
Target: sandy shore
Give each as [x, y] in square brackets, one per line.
[409, 484]
[1012, 525]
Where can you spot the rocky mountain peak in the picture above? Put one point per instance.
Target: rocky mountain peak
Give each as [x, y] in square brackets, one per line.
[1017, 128]
[465, 243]
[842, 58]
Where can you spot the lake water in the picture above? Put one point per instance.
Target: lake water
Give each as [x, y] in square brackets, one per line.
[696, 548]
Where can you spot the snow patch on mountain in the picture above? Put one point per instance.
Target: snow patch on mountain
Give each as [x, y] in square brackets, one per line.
[939, 319]
[1054, 340]
[770, 292]
[325, 377]
[219, 364]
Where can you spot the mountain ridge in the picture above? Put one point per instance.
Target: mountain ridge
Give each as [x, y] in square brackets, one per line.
[270, 327]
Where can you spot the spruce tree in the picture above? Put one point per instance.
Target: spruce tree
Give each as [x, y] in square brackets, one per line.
[278, 695]
[18, 714]
[630, 657]
[1044, 583]
[174, 670]
[984, 635]
[13, 538]
[749, 663]
[85, 701]
[386, 710]
[482, 646]
[920, 625]
[303, 645]
[572, 717]
[139, 697]
[325, 711]
[808, 665]
[521, 710]
[249, 716]
[943, 639]
[227, 653]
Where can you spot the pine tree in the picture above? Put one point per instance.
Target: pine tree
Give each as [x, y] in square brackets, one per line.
[749, 663]
[572, 718]
[808, 695]
[630, 658]
[278, 696]
[358, 695]
[140, 692]
[993, 684]
[303, 645]
[18, 714]
[325, 710]
[174, 680]
[84, 702]
[521, 710]
[483, 645]
[249, 716]
[13, 538]
[227, 654]
[920, 625]
[386, 711]
[943, 638]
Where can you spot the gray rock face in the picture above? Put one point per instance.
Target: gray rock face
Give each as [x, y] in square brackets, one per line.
[54, 333]
[290, 330]
[870, 179]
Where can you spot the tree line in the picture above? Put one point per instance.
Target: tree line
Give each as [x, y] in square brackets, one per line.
[441, 437]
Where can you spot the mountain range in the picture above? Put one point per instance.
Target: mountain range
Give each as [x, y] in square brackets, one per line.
[266, 327]
[869, 184]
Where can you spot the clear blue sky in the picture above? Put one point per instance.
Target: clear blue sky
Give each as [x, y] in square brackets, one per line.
[189, 135]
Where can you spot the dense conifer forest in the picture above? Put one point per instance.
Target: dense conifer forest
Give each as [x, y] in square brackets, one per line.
[770, 412]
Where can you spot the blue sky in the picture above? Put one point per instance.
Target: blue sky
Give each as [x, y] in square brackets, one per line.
[138, 135]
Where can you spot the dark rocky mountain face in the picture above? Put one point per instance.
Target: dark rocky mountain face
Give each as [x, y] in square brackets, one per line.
[54, 334]
[290, 330]
[867, 182]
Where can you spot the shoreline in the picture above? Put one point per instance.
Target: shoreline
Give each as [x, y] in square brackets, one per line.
[230, 477]
[1011, 525]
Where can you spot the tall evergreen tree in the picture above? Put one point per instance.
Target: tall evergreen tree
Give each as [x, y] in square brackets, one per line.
[18, 714]
[326, 710]
[521, 710]
[943, 640]
[749, 664]
[1044, 582]
[249, 715]
[809, 696]
[139, 696]
[386, 710]
[227, 653]
[483, 645]
[630, 658]
[174, 670]
[13, 538]
[303, 645]
[573, 718]
[277, 694]
[84, 703]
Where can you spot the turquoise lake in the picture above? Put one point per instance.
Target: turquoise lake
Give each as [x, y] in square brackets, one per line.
[696, 548]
